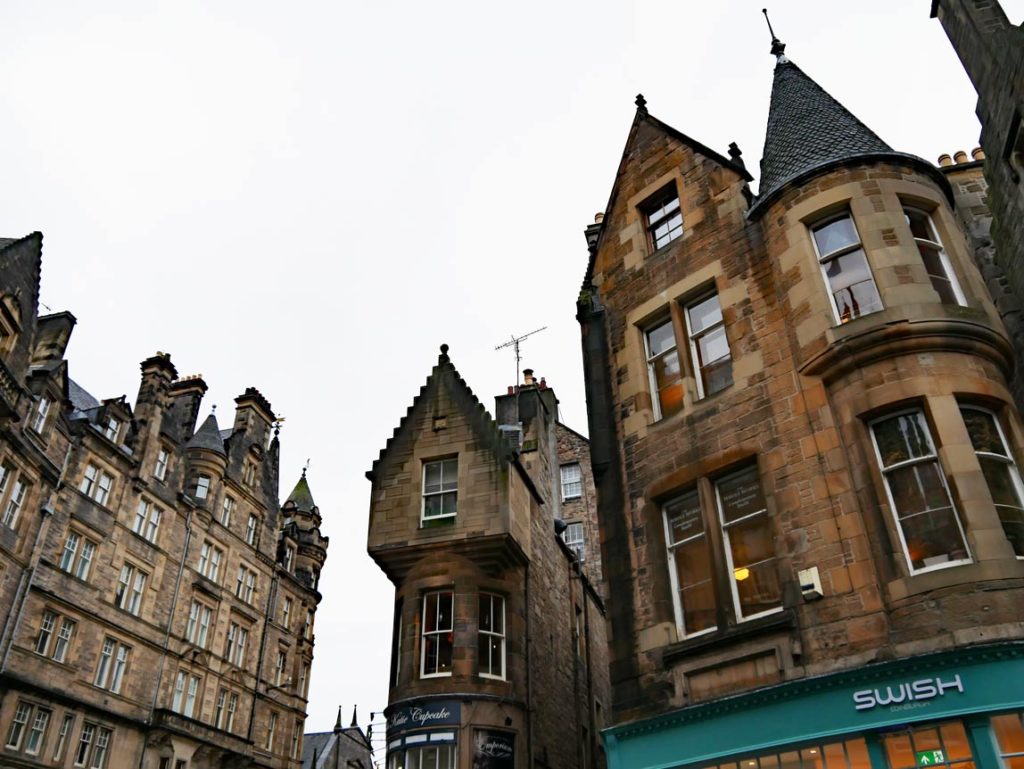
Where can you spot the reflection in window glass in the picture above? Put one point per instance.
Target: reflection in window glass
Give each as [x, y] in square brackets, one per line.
[664, 370]
[691, 558]
[1000, 471]
[846, 269]
[947, 746]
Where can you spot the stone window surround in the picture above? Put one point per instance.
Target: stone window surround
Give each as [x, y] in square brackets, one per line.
[725, 598]
[650, 210]
[942, 411]
[895, 195]
[635, 228]
[700, 285]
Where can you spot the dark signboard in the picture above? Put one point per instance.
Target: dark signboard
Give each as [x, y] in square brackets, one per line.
[428, 713]
[493, 749]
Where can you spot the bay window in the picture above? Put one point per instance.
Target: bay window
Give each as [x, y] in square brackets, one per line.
[926, 520]
[438, 634]
[936, 262]
[440, 489]
[491, 636]
[845, 268]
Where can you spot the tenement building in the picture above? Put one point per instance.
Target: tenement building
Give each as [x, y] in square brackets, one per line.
[991, 49]
[499, 658]
[158, 601]
[805, 453]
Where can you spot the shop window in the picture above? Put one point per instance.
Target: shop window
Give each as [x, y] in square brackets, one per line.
[845, 269]
[491, 636]
[1009, 732]
[440, 489]
[849, 754]
[1000, 471]
[438, 634]
[709, 347]
[944, 745]
[662, 217]
[425, 757]
[663, 368]
[572, 484]
[926, 520]
[573, 537]
[740, 514]
[936, 261]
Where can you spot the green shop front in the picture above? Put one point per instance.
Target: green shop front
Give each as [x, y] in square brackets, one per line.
[952, 710]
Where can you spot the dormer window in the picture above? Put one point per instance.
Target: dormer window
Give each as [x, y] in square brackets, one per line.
[440, 489]
[845, 268]
[39, 414]
[202, 486]
[663, 217]
[112, 429]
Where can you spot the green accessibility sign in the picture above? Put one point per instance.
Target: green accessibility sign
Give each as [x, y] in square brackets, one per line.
[930, 757]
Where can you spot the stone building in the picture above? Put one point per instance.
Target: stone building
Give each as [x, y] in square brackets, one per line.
[158, 600]
[499, 658]
[341, 748]
[991, 50]
[805, 452]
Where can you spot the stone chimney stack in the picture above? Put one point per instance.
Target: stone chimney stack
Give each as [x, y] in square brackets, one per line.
[186, 397]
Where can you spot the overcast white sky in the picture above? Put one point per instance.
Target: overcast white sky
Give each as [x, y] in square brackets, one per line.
[310, 197]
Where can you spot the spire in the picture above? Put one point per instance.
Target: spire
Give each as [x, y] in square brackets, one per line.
[207, 437]
[302, 498]
[807, 131]
[355, 721]
[337, 724]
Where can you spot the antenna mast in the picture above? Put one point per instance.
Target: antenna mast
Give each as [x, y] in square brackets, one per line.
[514, 343]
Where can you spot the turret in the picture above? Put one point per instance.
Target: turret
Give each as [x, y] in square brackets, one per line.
[302, 548]
[207, 462]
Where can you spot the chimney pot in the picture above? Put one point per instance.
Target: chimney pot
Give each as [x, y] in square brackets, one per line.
[960, 157]
[528, 376]
[511, 389]
[978, 153]
[945, 159]
[598, 217]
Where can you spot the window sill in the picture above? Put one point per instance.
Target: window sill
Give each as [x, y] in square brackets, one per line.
[435, 675]
[437, 522]
[734, 634]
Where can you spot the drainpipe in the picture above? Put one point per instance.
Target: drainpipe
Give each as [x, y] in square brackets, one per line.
[529, 672]
[271, 594]
[574, 656]
[590, 677]
[28, 575]
[170, 623]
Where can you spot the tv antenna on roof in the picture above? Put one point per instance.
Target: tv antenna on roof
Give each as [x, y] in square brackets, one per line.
[514, 343]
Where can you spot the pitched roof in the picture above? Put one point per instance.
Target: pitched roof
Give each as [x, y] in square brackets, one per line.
[80, 399]
[483, 426]
[809, 131]
[301, 496]
[207, 437]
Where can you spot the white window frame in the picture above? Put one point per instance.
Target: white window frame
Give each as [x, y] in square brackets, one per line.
[12, 510]
[727, 546]
[575, 538]
[286, 613]
[570, 482]
[19, 725]
[655, 214]
[1007, 459]
[280, 666]
[112, 429]
[437, 631]
[695, 337]
[36, 736]
[823, 261]
[245, 584]
[186, 693]
[203, 486]
[500, 600]
[63, 642]
[163, 457]
[936, 245]
[251, 526]
[111, 665]
[74, 562]
[66, 724]
[895, 513]
[234, 644]
[85, 744]
[271, 728]
[131, 586]
[210, 557]
[199, 619]
[147, 520]
[96, 484]
[651, 359]
[441, 492]
[39, 414]
[671, 546]
[47, 626]
[227, 510]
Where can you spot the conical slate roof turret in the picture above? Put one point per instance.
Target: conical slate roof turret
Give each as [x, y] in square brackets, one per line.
[301, 496]
[808, 131]
[207, 437]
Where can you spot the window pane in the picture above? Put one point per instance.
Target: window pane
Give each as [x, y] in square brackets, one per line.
[660, 339]
[696, 590]
[704, 314]
[938, 274]
[1009, 731]
[684, 518]
[740, 494]
[668, 379]
[835, 235]
[919, 224]
[852, 286]
[753, 559]
[901, 438]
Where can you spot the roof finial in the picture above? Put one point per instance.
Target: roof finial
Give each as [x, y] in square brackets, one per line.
[444, 349]
[641, 103]
[778, 47]
[305, 467]
[337, 724]
[214, 409]
[355, 721]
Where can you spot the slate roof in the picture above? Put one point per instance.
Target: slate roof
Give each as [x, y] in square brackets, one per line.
[808, 129]
[207, 437]
[81, 401]
[301, 496]
[351, 744]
